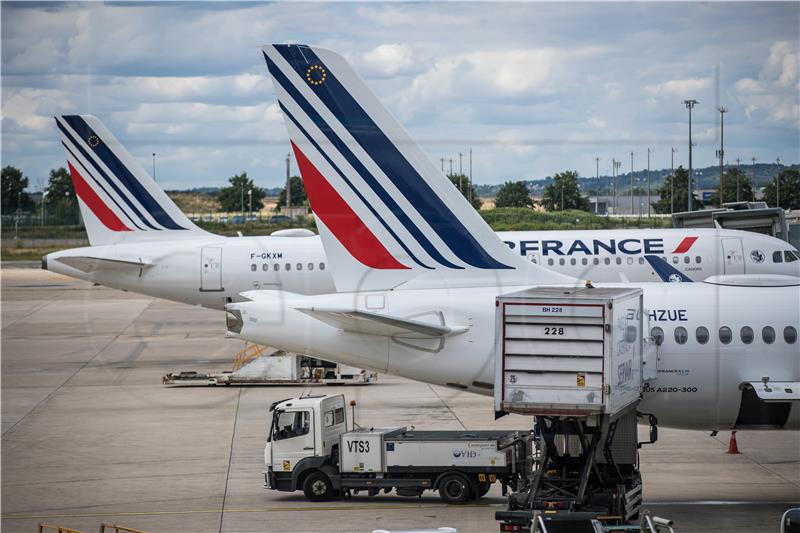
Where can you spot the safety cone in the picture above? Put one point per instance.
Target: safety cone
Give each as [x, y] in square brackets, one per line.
[733, 448]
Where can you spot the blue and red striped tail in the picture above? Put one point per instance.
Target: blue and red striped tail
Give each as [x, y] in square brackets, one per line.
[385, 211]
[119, 200]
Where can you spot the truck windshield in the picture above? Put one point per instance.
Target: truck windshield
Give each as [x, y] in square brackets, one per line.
[289, 424]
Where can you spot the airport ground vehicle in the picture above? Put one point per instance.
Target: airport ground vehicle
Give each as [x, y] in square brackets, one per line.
[309, 448]
[577, 360]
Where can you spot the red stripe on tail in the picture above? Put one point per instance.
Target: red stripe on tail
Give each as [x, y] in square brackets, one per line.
[98, 207]
[329, 206]
[684, 245]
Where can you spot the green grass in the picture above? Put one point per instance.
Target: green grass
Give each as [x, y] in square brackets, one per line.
[9, 253]
[523, 219]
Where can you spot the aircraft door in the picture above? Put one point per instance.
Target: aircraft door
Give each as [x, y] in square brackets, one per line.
[733, 255]
[292, 438]
[211, 269]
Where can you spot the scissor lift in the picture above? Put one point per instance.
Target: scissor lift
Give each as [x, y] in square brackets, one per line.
[576, 360]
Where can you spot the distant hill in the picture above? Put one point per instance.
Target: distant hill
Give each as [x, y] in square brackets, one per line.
[706, 178]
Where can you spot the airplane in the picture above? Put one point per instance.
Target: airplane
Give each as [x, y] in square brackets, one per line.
[140, 241]
[418, 271]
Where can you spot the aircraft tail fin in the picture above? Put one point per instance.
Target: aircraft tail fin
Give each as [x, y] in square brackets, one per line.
[385, 212]
[119, 200]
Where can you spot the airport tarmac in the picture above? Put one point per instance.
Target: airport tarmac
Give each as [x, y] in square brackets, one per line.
[90, 435]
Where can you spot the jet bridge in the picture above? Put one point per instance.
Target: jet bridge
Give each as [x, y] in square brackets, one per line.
[576, 359]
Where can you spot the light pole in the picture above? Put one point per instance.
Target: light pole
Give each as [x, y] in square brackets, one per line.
[721, 152]
[288, 186]
[754, 178]
[690, 105]
[250, 210]
[451, 167]
[778, 184]
[442, 160]
[632, 210]
[612, 190]
[672, 181]
[470, 176]
[44, 207]
[617, 167]
[241, 189]
[460, 172]
[648, 182]
[597, 186]
[154, 166]
[738, 176]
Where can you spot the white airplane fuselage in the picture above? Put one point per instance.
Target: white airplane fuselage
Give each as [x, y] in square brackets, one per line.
[697, 386]
[211, 271]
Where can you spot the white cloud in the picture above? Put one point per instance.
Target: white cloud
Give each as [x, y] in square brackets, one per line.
[774, 95]
[681, 88]
[389, 59]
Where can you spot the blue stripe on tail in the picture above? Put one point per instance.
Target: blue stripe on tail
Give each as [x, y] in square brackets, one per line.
[393, 164]
[123, 174]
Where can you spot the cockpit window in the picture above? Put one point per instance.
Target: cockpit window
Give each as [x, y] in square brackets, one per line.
[777, 257]
[789, 256]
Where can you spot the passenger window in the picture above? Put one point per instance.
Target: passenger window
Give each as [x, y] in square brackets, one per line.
[328, 419]
[768, 334]
[789, 256]
[561, 261]
[698, 259]
[790, 335]
[630, 260]
[291, 424]
[265, 267]
[681, 336]
[658, 335]
[311, 266]
[550, 261]
[584, 261]
[299, 266]
[701, 334]
[287, 266]
[746, 334]
[686, 259]
[607, 260]
[725, 335]
[338, 415]
[595, 261]
[573, 261]
[253, 267]
[276, 267]
[675, 259]
[619, 260]
[641, 260]
[777, 257]
[322, 266]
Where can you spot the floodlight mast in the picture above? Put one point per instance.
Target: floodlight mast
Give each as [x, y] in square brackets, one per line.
[721, 152]
[690, 105]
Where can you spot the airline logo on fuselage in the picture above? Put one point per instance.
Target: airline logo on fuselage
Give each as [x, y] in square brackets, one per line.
[599, 246]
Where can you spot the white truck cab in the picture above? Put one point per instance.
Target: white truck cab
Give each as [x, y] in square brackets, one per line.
[309, 448]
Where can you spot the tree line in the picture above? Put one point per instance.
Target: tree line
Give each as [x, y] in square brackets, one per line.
[561, 194]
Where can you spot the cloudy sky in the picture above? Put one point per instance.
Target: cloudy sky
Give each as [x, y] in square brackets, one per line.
[532, 88]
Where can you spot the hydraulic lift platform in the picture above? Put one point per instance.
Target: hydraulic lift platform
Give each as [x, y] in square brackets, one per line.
[576, 360]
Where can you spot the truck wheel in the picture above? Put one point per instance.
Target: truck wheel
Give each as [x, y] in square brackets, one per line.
[318, 487]
[454, 488]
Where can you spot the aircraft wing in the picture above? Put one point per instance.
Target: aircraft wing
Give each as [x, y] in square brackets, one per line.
[357, 321]
[87, 263]
[777, 391]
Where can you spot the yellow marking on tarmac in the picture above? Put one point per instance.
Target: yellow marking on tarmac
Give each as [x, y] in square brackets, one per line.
[266, 510]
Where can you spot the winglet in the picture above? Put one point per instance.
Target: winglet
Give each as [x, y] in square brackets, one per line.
[666, 271]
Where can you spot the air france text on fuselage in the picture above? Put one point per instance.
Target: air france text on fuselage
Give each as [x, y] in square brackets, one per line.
[590, 247]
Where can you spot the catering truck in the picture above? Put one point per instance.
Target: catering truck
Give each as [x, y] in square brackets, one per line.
[309, 448]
